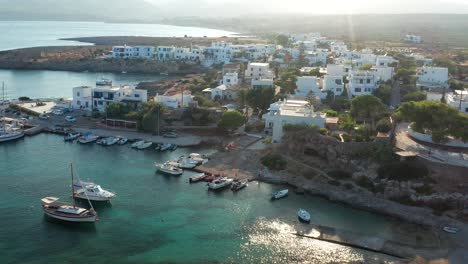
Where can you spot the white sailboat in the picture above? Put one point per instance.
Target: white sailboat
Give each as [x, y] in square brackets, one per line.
[67, 212]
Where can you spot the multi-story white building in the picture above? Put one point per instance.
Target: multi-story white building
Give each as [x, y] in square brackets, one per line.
[256, 70]
[384, 60]
[88, 98]
[165, 53]
[383, 73]
[336, 70]
[413, 38]
[218, 52]
[432, 77]
[307, 85]
[132, 52]
[262, 83]
[422, 60]
[361, 82]
[230, 79]
[338, 47]
[318, 57]
[290, 112]
[175, 101]
[259, 51]
[221, 92]
[306, 36]
[334, 84]
[459, 100]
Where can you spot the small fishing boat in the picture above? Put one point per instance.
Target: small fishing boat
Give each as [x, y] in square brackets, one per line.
[168, 169]
[209, 178]
[145, 145]
[165, 147]
[173, 147]
[100, 141]
[122, 141]
[138, 143]
[91, 191]
[71, 136]
[220, 183]
[200, 159]
[158, 147]
[236, 186]
[109, 141]
[66, 212]
[183, 164]
[279, 194]
[303, 215]
[87, 138]
[197, 177]
[451, 229]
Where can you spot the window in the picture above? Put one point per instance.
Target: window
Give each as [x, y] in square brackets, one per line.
[338, 89]
[368, 80]
[357, 90]
[466, 110]
[137, 95]
[99, 102]
[78, 102]
[78, 94]
[361, 81]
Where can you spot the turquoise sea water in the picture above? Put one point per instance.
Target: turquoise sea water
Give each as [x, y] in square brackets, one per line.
[59, 84]
[24, 34]
[156, 218]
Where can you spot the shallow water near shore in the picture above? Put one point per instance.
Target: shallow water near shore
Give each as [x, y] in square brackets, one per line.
[158, 218]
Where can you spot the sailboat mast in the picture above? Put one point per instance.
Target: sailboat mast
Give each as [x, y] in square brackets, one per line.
[72, 188]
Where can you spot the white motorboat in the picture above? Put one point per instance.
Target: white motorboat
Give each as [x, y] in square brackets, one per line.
[279, 194]
[200, 159]
[87, 138]
[165, 147]
[91, 191]
[66, 212]
[71, 136]
[197, 177]
[104, 82]
[145, 145]
[169, 169]
[303, 215]
[184, 163]
[10, 135]
[109, 141]
[138, 143]
[220, 183]
[122, 141]
[451, 229]
[236, 186]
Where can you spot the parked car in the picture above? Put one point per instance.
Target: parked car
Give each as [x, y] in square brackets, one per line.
[70, 119]
[170, 135]
[58, 112]
[44, 117]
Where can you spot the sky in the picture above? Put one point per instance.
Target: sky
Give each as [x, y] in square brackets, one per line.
[215, 8]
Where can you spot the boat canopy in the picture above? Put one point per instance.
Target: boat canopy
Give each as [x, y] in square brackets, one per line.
[49, 200]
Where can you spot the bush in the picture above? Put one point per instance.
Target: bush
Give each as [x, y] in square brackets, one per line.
[403, 171]
[267, 141]
[323, 131]
[426, 189]
[330, 113]
[24, 98]
[384, 125]
[339, 174]
[337, 136]
[347, 137]
[274, 162]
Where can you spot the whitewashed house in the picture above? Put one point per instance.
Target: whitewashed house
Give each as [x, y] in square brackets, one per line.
[307, 85]
[165, 53]
[383, 73]
[230, 79]
[132, 52]
[384, 60]
[338, 48]
[432, 77]
[258, 70]
[174, 101]
[88, 98]
[336, 70]
[318, 57]
[361, 82]
[334, 84]
[218, 52]
[221, 92]
[459, 100]
[290, 112]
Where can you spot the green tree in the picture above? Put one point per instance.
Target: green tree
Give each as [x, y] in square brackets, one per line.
[405, 75]
[367, 108]
[117, 110]
[231, 120]
[384, 93]
[151, 117]
[415, 96]
[260, 98]
[282, 40]
[242, 100]
[384, 125]
[366, 67]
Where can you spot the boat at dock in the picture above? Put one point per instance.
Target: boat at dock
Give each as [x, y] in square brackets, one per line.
[279, 194]
[71, 136]
[67, 212]
[91, 191]
[303, 215]
[220, 183]
[137, 143]
[145, 145]
[165, 147]
[183, 163]
[451, 229]
[169, 169]
[6, 135]
[200, 159]
[197, 177]
[87, 138]
[109, 141]
[122, 141]
[238, 185]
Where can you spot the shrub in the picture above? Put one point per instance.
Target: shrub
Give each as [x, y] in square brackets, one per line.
[24, 98]
[426, 189]
[339, 174]
[274, 162]
[337, 136]
[330, 113]
[323, 131]
[384, 125]
[267, 141]
[347, 137]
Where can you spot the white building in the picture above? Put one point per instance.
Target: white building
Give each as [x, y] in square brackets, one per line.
[334, 84]
[165, 53]
[258, 70]
[383, 73]
[88, 98]
[221, 92]
[230, 79]
[361, 82]
[306, 36]
[262, 83]
[432, 77]
[413, 38]
[459, 100]
[336, 70]
[175, 101]
[290, 112]
[132, 52]
[384, 60]
[218, 52]
[338, 48]
[318, 57]
[307, 85]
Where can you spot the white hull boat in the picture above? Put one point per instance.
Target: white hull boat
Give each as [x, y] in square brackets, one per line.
[91, 191]
[168, 169]
[9, 136]
[165, 147]
[200, 159]
[145, 145]
[303, 215]
[279, 194]
[450, 229]
[236, 186]
[70, 213]
[122, 141]
[138, 143]
[87, 139]
[110, 141]
[197, 177]
[220, 183]
[71, 137]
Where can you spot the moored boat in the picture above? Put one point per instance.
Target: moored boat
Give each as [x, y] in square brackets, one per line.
[451, 229]
[303, 215]
[145, 145]
[87, 138]
[138, 143]
[91, 191]
[220, 183]
[109, 141]
[236, 186]
[168, 169]
[197, 177]
[165, 147]
[71, 136]
[122, 141]
[10, 135]
[279, 194]
[200, 159]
